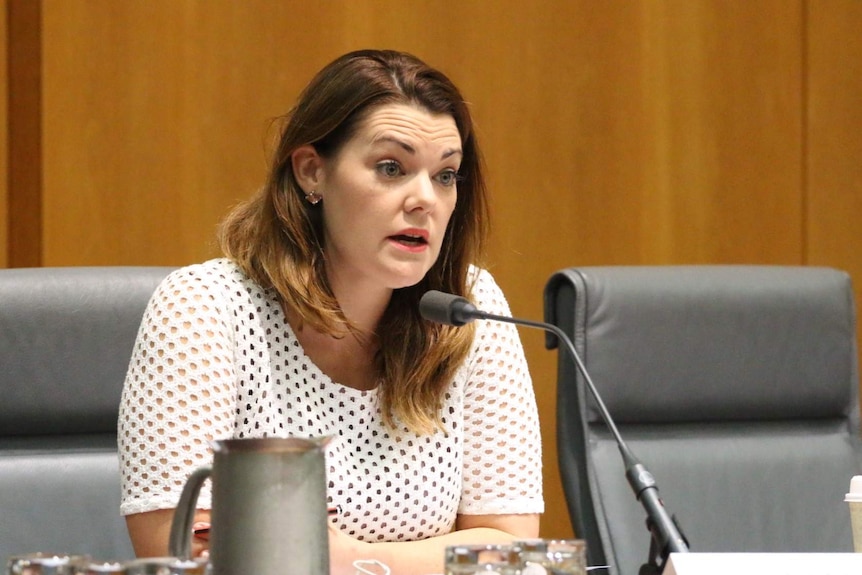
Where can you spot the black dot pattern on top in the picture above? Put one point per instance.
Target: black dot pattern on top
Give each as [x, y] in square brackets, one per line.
[215, 359]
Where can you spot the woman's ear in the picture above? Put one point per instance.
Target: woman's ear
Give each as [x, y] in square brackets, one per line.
[307, 168]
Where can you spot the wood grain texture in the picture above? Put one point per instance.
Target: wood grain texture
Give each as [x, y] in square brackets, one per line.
[834, 137]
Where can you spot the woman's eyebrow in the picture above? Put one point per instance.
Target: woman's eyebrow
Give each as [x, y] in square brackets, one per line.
[387, 138]
[392, 139]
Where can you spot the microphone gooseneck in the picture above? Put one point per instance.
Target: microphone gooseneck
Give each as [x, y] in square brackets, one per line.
[454, 310]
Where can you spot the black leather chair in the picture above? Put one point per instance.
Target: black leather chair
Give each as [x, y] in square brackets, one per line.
[737, 388]
[66, 336]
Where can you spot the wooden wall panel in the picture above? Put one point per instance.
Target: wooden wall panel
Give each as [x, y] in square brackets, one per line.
[155, 121]
[661, 132]
[834, 139]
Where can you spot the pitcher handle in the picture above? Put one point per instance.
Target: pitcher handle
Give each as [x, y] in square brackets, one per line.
[180, 540]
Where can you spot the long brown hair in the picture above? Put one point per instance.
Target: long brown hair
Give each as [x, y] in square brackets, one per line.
[276, 236]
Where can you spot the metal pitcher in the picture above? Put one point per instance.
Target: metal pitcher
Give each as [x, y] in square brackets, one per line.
[268, 508]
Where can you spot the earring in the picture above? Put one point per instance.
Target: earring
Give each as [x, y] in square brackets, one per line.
[313, 197]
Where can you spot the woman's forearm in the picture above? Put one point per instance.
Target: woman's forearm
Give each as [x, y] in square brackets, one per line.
[427, 555]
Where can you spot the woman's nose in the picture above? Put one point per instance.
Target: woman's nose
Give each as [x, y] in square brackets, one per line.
[422, 194]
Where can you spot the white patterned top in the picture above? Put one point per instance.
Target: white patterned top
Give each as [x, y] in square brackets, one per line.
[215, 359]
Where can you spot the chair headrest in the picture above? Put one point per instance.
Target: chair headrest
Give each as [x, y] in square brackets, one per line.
[700, 343]
[66, 336]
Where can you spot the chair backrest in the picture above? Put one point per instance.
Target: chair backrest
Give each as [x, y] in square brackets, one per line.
[737, 388]
[66, 336]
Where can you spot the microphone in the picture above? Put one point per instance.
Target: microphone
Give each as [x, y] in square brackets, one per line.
[454, 310]
[447, 309]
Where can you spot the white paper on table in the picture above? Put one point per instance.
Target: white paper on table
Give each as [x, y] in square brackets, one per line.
[763, 563]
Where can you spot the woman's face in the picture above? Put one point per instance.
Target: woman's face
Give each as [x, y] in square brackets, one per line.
[388, 195]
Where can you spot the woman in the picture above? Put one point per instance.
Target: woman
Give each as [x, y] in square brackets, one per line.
[310, 326]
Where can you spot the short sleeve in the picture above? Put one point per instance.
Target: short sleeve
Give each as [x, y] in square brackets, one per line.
[179, 391]
[502, 439]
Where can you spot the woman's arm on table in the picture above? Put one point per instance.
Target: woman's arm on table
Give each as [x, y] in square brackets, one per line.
[150, 532]
[427, 556]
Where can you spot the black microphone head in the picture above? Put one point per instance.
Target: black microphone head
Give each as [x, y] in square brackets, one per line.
[445, 308]
[435, 306]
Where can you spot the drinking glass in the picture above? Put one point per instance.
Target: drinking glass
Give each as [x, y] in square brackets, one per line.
[104, 568]
[46, 564]
[552, 556]
[165, 566]
[486, 559]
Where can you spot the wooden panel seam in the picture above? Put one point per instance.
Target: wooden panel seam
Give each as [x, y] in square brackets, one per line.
[24, 53]
[805, 98]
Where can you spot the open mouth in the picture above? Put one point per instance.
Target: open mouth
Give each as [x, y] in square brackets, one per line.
[409, 240]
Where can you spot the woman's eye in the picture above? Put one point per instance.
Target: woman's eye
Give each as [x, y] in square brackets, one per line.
[390, 169]
[448, 177]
